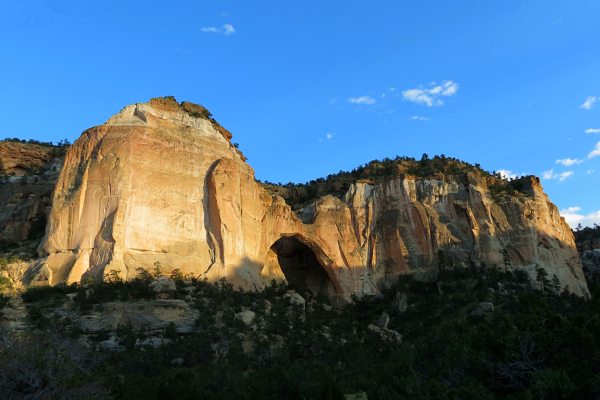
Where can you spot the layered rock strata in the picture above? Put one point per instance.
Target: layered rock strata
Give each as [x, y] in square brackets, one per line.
[160, 182]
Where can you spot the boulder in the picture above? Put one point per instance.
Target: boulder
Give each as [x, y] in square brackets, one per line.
[386, 334]
[163, 284]
[483, 308]
[591, 264]
[383, 320]
[400, 302]
[295, 299]
[111, 344]
[247, 317]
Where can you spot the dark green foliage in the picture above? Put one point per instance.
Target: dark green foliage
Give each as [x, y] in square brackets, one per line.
[532, 346]
[30, 141]
[47, 365]
[587, 237]
[439, 167]
[3, 302]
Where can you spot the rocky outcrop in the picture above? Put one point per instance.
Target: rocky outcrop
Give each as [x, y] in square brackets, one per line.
[31, 172]
[160, 182]
[20, 159]
[591, 264]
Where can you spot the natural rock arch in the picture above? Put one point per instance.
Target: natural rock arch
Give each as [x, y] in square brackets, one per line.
[304, 264]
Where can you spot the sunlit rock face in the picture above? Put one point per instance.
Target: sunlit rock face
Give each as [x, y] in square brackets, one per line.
[161, 182]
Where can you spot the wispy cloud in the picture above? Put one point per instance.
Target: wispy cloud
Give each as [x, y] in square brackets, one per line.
[574, 217]
[328, 137]
[589, 102]
[367, 100]
[419, 118]
[595, 152]
[567, 162]
[431, 96]
[225, 29]
[592, 130]
[551, 175]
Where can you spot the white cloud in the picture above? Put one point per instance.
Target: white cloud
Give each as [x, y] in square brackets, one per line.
[595, 152]
[564, 175]
[590, 171]
[368, 100]
[431, 96]
[567, 162]
[592, 130]
[550, 174]
[419, 118]
[589, 102]
[226, 29]
[574, 217]
[507, 174]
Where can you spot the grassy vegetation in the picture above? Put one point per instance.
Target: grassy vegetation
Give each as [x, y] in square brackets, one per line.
[533, 345]
[377, 171]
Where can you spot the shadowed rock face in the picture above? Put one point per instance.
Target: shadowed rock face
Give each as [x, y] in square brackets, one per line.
[300, 266]
[161, 183]
[26, 190]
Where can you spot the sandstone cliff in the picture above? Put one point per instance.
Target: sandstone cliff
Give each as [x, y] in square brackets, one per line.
[161, 182]
[29, 174]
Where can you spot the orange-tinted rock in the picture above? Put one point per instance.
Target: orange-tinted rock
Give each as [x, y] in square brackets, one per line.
[160, 182]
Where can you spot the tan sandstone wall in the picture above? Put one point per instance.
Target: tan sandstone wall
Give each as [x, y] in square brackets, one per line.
[159, 184]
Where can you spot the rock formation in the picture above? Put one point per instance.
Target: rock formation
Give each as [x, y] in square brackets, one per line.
[29, 174]
[160, 182]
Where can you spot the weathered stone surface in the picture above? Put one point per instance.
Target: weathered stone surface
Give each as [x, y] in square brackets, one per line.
[295, 299]
[247, 317]
[140, 316]
[383, 320]
[154, 342]
[158, 183]
[26, 191]
[385, 333]
[400, 302]
[111, 344]
[163, 284]
[591, 264]
[21, 159]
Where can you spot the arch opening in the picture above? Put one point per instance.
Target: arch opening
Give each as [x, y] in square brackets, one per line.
[301, 267]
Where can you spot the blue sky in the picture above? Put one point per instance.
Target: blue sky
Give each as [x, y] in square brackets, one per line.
[312, 87]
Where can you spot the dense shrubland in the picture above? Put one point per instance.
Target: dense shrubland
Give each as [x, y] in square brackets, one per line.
[376, 171]
[471, 334]
[587, 237]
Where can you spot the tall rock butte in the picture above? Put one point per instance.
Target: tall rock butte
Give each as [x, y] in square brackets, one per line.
[161, 182]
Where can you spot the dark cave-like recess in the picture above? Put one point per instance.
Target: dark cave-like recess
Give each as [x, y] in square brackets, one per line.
[300, 266]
